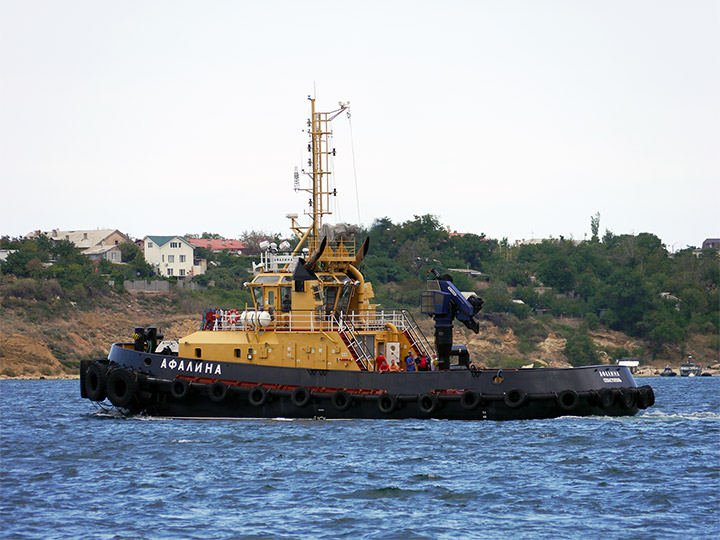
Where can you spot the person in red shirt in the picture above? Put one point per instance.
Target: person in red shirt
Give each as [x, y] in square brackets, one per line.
[381, 364]
[422, 364]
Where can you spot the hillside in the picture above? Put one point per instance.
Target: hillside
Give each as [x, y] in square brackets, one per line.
[39, 339]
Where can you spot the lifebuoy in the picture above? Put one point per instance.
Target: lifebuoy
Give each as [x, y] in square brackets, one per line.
[258, 396]
[95, 382]
[387, 403]
[428, 403]
[180, 388]
[568, 400]
[515, 398]
[470, 400]
[218, 391]
[300, 396]
[627, 397]
[121, 387]
[607, 397]
[341, 400]
[232, 316]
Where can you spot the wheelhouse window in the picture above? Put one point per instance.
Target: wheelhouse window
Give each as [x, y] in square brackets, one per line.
[285, 298]
[258, 296]
[330, 298]
[266, 279]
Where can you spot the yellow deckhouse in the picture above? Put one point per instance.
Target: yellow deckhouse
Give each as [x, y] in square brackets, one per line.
[312, 312]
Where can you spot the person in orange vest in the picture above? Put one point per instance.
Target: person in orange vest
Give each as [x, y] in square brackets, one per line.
[394, 366]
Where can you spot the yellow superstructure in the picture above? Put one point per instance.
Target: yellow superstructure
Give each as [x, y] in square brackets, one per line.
[311, 308]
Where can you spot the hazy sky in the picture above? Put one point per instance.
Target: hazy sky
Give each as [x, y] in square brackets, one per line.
[515, 119]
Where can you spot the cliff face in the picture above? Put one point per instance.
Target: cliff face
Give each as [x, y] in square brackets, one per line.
[48, 340]
[43, 341]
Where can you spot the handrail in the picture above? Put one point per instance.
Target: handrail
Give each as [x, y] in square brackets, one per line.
[309, 320]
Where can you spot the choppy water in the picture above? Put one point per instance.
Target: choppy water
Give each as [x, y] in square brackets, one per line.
[69, 472]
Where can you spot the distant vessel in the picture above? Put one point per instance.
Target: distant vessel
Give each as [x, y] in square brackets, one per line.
[690, 369]
[312, 345]
[668, 372]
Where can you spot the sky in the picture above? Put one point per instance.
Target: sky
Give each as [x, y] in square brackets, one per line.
[513, 119]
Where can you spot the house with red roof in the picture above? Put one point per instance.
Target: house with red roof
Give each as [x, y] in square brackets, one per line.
[218, 244]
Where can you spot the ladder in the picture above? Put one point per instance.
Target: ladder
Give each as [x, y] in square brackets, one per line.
[355, 345]
[416, 336]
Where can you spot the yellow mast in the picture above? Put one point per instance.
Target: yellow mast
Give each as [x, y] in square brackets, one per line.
[320, 161]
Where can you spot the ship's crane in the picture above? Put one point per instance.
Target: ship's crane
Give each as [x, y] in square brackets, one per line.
[444, 302]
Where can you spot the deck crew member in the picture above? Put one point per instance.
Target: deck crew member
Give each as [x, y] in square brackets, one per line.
[410, 361]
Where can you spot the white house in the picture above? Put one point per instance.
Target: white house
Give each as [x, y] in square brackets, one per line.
[170, 256]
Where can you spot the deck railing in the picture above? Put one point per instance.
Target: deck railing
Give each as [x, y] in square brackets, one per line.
[303, 321]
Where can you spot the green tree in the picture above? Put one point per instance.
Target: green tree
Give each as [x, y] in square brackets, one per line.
[580, 350]
[595, 227]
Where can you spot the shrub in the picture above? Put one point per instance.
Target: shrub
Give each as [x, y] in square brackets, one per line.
[580, 350]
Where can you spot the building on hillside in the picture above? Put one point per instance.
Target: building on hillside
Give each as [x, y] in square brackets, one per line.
[109, 253]
[171, 256]
[218, 244]
[96, 244]
[535, 241]
[87, 238]
[5, 252]
[711, 243]
[474, 274]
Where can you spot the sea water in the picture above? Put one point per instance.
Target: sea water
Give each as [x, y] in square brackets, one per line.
[70, 470]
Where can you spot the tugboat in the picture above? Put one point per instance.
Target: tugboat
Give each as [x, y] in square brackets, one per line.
[313, 345]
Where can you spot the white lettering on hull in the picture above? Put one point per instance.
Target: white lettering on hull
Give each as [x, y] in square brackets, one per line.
[610, 376]
[187, 366]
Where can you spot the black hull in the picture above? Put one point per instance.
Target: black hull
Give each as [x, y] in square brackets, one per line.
[168, 386]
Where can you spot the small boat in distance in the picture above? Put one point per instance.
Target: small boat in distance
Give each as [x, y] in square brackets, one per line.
[668, 372]
[314, 345]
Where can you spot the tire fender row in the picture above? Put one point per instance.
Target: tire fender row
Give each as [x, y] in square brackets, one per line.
[122, 386]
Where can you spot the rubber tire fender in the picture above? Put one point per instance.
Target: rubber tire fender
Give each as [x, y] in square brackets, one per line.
[607, 397]
[218, 391]
[428, 403]
[627, 397]
[341, 400]
[180, 388]
[568, 400]
[300, 396]
[387, 403]
[96, 382]
[258, 396]
[645, 397]
[121, 387]
[515, 398]
[470, 400]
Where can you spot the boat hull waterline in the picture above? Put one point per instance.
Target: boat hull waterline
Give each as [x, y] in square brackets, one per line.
[169, 386]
